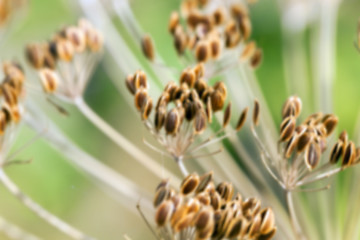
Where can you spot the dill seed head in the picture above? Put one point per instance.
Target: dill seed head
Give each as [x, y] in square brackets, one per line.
[202, 210]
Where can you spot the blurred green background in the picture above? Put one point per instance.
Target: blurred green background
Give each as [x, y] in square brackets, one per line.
[67, 192]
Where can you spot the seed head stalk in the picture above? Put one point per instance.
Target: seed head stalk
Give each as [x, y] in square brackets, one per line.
[40, 211]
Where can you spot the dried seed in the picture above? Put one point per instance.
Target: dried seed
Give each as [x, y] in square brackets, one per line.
[77, 37]
[204, 198]
[242, 119]
[180, 40]
[268, 236]
[304, 141]
[215, 48]
[254, 229]
[202, 51]
[184, 222]
[94, 40]
[256, 112]
[200, 122]
[287, 128]
[349, 155]
[140, 80]
[65, 50]
[267, 221]
[220, 86]
[200, 87]
[204, 219]
[173, 22]
[330, 122]
[147, 107]
[9, 94]
[35, 55]
[140, 98]
[227, 115]
[219, 16]
[147, 47]
[208, 110]
[336, 152]
[245, 27]
[189, 184]
[188, 77]
[172, 121]
[290, 146]
[215, 200]
[130, 83]
[248, 52]
[3, 122]
[161, 195]
[49, 80]
[256, 59]
[235, 228]
[312, 155]
[225, 191]
[164, 213]
[199, 70]
[205, 180]
[344, 136]
[217, 100]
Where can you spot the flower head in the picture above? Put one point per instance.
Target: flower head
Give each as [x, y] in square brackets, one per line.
[203, 210]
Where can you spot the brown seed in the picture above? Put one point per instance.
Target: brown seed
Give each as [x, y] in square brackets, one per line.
[217, 100]
[35, 55]
[172, 121]
[287, 128]
[173, 22]
[164, 213]
[215, 201]
[225, 190]
[248, 52]
[161, 195]
[184, 222]
[330, 122]
[160, 116]
[256, 112]
[94, 40]
[349, 155]
[235, 228]
[49, 80]
[199, 70]
[208, 110]
[245, 27]
[268, 236]
[140, 98]
[146, 110]
[188, 77]
[344, 136]
[205, 180]
[2, 122]
[227, 115]
[202, 51]
[220, 86]
[256, 59]
[180, 40]
[147, 47]
[9, 93]
[312, 155]
[290, 146]
[267, 221]
[304, 141]
[215, 47]
[200, 122]
[189, 184]
[204, 219]
[204, 198]
[140, 80]
[242, 119]
[336, 152]
[219, 16]
[130, 83]
[200, 87]
[65, 50]
[254, 229]
[77, 37]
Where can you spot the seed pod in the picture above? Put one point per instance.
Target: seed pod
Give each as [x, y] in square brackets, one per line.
[11, 112]
[65, 50]
[256, 58]
[199, 70]
[232, 34]
[204, 219]
[9, 94]
[215, 47]
[227, 115]
[146, 109]
[140, 98]
[130, 83]
[330, 121]
[344, 136]
[160, 116]
[220, 86]
[200, 87]
[245, 27]
[248, 51]
[304, 141]
[268, 236]
[35, 55]
[251, 207]
[202, 51]
[205, 180]
[189, 184]
[94, 40]
[267, 221]
[222, 225]
[173, 22]
[164, 213]
[215, 201]
[312, 155]
[256, 112]
[217, 100]
[77, 37]
[204, 198]
[49, 80]
[172, 121]
[200, 122]
[3, 123]
[242, 119]
[287, 128]
[225, 190]
[188, 77]
[161, 195]
[147, 47]
[290, 146]
[208, 110]
[336, 152]
[296, 103]
[349, 155]
[184, 223]
[254, 229]
[180, 40]
[219, 16]
[238, 11]
[235, 228]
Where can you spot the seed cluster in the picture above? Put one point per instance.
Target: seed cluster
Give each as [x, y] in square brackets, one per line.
[301, 147]
[202, 210]
[212, 27]
[182, 111]
[60, 61]
[11, 90]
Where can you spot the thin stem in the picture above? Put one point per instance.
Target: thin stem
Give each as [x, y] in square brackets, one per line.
[294, 220]
[40, 211]
[120, 140]
[180, 163]
[14, 232]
